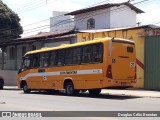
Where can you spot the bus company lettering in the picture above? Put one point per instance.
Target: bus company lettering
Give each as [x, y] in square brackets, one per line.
[68, 72]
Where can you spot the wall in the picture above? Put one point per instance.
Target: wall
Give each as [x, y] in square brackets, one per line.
[152, 62]
[11, 63]
[9, 76]
[122, 16]
[19, 53]
[102, 19]
[137, 35]
[56, 44]
[61, 22]
[115, 17]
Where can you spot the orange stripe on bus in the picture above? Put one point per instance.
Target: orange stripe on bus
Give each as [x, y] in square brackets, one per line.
[140, 63]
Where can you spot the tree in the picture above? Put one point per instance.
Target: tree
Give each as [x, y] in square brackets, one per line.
[10, 27]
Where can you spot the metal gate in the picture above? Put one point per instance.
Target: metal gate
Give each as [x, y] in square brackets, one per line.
[152, 63]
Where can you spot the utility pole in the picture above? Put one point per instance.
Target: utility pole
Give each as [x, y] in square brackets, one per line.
[138, 23]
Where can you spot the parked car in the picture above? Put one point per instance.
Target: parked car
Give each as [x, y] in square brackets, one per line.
[1, 83]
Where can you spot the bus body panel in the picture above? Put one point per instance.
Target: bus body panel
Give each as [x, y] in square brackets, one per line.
[85, 76]
[123, 62]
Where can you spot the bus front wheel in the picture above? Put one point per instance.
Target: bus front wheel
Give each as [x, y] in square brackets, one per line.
[94, 92]
[25, 89]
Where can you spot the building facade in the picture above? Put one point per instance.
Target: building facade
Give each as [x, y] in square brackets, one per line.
[106, 16]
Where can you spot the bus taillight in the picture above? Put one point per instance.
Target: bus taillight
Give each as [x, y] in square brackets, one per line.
[109, 72]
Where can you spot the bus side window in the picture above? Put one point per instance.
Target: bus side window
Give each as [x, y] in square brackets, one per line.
[97, 53]
[35, 61]
[52, 58]
[44, 59]
[87, 54]
[76, 55]
[68, 56]
[59, 58]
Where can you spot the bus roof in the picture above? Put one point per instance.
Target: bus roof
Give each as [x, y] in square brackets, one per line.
[96, 40]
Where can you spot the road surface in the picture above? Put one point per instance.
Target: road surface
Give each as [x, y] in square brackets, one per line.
[16, 100]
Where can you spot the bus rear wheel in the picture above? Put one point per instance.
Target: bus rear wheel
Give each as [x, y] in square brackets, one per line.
[1, 87]
[25, 89]
[94, 92]
[70, 89]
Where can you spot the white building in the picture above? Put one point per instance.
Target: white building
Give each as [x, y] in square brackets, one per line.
[60, 22]
[106, 16]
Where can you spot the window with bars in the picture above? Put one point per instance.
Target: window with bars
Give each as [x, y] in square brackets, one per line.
[23, 50]
[90, 23]
[12, 53]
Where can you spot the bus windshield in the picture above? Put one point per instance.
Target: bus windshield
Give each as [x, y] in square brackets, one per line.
[25, 64]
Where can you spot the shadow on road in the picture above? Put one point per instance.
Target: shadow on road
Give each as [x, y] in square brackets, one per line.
[86, 95]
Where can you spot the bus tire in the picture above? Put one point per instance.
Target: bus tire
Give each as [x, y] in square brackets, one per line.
[94, 92]
[1, 87]
[25, 88]
[70, 89]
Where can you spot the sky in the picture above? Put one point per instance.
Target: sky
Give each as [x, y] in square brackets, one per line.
[35, 14]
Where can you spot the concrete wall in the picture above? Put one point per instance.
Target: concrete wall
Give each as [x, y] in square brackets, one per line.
[122, 16]
[11, 63]
[61, 22]
[56, 44]
[115, 17]
[102, 19]
[9, 76]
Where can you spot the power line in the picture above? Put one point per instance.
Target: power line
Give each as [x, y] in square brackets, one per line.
[62, 14]
[50, 26]
[32, 8]
[114, 9]
[101, 13]
[21, 7]
[47, 27]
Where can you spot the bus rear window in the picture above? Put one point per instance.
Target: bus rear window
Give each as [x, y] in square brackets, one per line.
[130, 49]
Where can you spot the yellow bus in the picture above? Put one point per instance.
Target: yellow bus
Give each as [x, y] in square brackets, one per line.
[91, 65]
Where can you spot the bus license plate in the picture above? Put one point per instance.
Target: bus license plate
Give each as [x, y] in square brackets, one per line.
[123, 84]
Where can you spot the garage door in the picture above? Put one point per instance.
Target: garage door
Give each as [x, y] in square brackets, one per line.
[152, 63]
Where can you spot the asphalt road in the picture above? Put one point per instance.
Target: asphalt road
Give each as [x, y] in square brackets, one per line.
[16, 100]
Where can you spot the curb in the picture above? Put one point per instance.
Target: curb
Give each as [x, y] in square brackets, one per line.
[10, 88]
[126, 92]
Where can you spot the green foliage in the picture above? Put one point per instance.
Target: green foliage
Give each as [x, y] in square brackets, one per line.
[10, 27]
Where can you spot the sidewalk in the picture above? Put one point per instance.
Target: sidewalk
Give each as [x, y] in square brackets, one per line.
[134, 92]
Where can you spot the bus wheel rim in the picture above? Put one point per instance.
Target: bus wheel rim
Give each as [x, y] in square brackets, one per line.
[70, 89]
[25, 88]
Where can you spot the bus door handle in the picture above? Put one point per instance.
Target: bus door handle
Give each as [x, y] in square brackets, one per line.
[41, 70]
